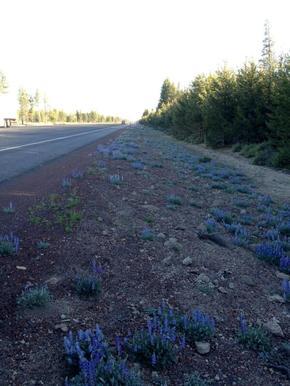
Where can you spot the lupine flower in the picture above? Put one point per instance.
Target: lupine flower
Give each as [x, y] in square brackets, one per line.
[286, 289]
[270, 252]
[285, 263]
[243, 324]
[153, 360]
[9, 244]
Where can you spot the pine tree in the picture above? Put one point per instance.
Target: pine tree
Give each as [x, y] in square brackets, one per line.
[168, 93]
[268, 58]
[3, 83]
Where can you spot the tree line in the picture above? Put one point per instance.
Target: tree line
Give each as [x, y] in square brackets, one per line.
[35, 109]
[248, 108]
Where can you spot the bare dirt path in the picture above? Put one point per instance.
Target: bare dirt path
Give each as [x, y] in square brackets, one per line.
[268, 181]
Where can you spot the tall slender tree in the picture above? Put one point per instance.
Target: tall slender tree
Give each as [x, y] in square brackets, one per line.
[3, 83]
[23, 99]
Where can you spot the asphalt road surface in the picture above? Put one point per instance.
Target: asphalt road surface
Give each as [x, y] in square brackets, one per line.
[24, 148]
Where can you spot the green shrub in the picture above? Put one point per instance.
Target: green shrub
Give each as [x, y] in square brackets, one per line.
[88, 286]
[282, 158]
[194, 379]
[265, 154]
[237, 147]
[255, 338]
[34, 297]
[250, 151]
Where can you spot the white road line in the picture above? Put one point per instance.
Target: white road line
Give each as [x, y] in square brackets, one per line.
[53, 139]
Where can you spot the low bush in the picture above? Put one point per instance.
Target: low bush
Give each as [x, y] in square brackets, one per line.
[282, 158]
[9, 209]
[197, 326]
[194, 379]
[253, 337]
[9, 245]
[34, 297]
[174, 199]
[91, 363]
[271, 252]
[89, 285]
[157, 345]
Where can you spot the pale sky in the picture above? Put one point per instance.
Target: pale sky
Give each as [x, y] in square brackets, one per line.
[113, 55]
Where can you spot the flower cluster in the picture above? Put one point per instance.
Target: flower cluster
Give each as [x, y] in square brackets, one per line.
[270, 252]
[91, 362]
[197, 326]
[222, 216]
[253, 337]
[157, 345]
[66, 182]
[286, 290]
[9, 244]
[89, 285]
[211, 225]
[76, 173]
[115, 179]
[9, 209]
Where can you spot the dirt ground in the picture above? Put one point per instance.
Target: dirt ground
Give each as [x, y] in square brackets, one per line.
[221, 280]
[268, 181]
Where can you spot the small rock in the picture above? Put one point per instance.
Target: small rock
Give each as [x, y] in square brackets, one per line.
[202, 347]
[180, 228]
[167, 260]
[274, 327]
[222, 290]
[276, 299]
[202, 279]
[21, 268]
[61, 326]
[248, 280]
[161, 236]
[172, 243]
[231, 285]
[282, 275]
[187, 261]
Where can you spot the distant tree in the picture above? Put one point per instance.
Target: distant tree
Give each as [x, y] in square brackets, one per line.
[23, 100]
[268, 57]
[251, 117]
[3, 83]
[168, 93]
[220, 109]
[145, 113]
[279, 124]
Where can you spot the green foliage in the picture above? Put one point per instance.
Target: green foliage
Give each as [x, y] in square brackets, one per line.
[88, 286]
[42, 244]
[194, 379]
[168, 93]
[247, 107]
[255, 338]
[69, 219]
[6, 248]
[34, 297]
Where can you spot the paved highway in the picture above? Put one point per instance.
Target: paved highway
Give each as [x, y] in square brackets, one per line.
[24, 148]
